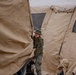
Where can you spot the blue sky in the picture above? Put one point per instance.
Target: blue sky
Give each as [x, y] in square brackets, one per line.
[36, 3]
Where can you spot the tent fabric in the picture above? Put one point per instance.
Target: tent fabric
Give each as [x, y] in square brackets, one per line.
[54, 29]
[60, 9]
[53, 7]
[16, 43]
[69, 49]
[15, 32]
[39, 10]
[53, 36]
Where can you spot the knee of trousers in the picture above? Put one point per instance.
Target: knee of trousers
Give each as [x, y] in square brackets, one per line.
[38, 69]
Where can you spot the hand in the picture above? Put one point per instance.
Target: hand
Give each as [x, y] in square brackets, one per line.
[32, 54]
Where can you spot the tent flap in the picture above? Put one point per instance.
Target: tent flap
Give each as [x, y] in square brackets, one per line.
[15, 32]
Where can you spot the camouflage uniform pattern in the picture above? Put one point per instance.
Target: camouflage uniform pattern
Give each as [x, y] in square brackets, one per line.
[38, 45]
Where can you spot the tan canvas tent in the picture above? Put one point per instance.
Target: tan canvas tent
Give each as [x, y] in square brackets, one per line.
[69, 48]
[59, 39]
[58, 28]
[15, 32]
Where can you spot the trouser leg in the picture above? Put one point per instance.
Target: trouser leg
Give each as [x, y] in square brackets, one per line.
[38, 64]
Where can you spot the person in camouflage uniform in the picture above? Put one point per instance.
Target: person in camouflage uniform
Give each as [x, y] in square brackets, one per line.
[38, 53]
